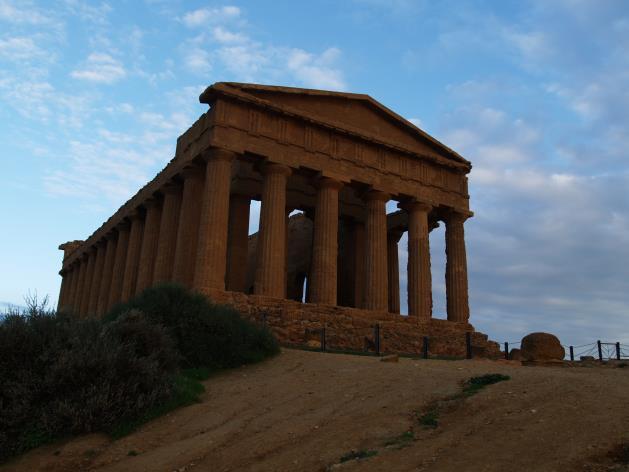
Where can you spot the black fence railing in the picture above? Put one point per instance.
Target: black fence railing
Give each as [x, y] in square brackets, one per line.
[378, 340]
[598, 350]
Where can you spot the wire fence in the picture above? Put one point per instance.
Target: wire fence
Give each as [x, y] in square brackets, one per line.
[377, 340]
[598, 350]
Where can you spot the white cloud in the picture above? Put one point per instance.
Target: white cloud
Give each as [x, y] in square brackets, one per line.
[205, 16]
[101, 68]
[22, 14]
[316, 70]
[222, 35]
[197, 60]
[19, 48]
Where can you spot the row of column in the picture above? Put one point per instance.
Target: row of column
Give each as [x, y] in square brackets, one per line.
[196, 234]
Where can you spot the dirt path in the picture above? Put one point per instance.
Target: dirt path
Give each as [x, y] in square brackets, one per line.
[304, 411]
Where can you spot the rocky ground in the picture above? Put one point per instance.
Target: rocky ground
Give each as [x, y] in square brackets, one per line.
[313, 411]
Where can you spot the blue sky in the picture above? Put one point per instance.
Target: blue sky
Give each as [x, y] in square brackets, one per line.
[535, 93]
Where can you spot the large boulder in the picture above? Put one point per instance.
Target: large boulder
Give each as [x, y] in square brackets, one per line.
[541, 347]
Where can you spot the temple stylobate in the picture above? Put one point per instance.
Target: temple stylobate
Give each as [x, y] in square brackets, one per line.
[336, 157]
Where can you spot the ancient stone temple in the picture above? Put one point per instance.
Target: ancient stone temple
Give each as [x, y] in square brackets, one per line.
[336, 157]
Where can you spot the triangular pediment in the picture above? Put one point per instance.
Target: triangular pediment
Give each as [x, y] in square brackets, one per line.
[354, 112]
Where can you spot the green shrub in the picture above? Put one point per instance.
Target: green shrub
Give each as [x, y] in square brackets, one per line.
[475, 384]
[63, 376]
[206, 335]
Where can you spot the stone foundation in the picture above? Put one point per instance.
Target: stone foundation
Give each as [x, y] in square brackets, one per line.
[295, 323]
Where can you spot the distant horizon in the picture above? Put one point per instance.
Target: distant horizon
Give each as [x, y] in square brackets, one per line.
[533, 93]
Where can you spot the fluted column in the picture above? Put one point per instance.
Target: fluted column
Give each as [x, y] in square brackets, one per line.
[97, 278]
[148, 251]
[419, 287]
[376, 280]
[108, 268]
[357, 261]
[80, 286]
[238, 242]
[393, 268]
[212, 240]
[87, 285]
[456, 269]
[168, 228]
[130, 278]
[187, 234]
[323, 272]
[67, 307]
[120, 259]
[63, 288]
[271, 262]
[69, 297]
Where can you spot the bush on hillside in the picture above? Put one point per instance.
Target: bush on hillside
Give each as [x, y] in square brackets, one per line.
[64, 376]
[206, 335]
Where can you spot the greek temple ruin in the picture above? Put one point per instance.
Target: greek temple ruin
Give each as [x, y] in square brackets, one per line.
[336, 157]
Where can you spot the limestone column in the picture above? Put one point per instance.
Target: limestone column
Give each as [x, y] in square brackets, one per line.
[168, 228]
[87, 285]
[108, 268]
[456, 269]
[150, 236]
[130, 278]
[212, 240]
[357, 262]
[376, 280]
[393, 268]
[120, 259]
[323, 272]
[80, 286]
[63, 288]
[187, 234]
[72, 289]
[270, 268]
[68, 297]
[238, 242]
[97, 278]
[419, 287]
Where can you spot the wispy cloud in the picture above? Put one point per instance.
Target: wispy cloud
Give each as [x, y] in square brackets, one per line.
[227, 46]
[207, 16]
[100, 67]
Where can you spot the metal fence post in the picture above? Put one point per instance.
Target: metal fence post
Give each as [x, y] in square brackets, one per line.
[376, 338]
[600, 350]
[571, 353]
[506, 350]
[323, 339]
[468, 345]
[425, 348]
[617, 351]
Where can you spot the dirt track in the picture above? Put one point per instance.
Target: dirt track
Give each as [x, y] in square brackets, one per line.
[303, 411]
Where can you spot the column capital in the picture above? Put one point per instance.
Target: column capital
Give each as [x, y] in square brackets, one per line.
[170, 187]
[151, 202]
[373, 194]
[327, 182]
[122, 224]
[217, 153]
[276, 168]
[192, 171]
[453, 216]
[414, 205]
[135, 214]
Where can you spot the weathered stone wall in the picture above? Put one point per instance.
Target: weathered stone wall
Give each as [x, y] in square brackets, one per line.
[352, 329]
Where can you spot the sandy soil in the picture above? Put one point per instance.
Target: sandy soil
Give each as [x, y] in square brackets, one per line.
[304, 411]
